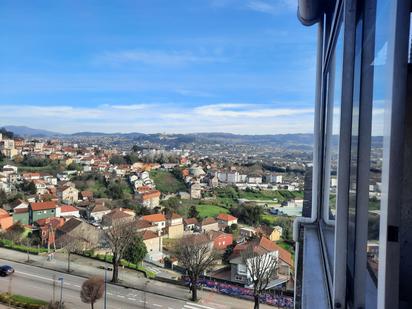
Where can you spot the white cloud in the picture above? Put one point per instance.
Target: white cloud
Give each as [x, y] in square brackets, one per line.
[132, 107]
[247, 111]
[154, 57]
[161, 117]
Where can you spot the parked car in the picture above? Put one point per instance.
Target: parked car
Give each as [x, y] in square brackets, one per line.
[6, 270]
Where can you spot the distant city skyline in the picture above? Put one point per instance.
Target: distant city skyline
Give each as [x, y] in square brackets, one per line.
[244, 67]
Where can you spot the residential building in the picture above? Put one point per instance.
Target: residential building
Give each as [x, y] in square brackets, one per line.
[67, 211]
[86, 195]
[272, 233]
[190, 224]
[97, 212]
[158, 220]
[175, 227]
[68, 194]
[154, 244]
[21, 213]
[240, 273]
[209, 224]
[220, 240]
[195, 191]
[247, 232]
[78, 230]
[150, 199]
[225, 220]
[41, 210]
[117, 215]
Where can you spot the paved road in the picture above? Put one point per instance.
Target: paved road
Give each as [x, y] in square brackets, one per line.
[43, 284]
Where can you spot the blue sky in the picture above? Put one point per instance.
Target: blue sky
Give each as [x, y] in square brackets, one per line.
[240, 66]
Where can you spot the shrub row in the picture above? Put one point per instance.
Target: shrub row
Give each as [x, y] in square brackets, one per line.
[10, 245]
[22, 301]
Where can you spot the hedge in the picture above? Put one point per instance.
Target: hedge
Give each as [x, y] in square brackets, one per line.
[22, 301]
[10, 245]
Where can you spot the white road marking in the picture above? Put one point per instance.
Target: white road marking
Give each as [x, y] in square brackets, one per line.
[36, 276]
[129, 298]
[44, 278]
[197, 306]
[142, 301]
[157, 305]
[121, 296]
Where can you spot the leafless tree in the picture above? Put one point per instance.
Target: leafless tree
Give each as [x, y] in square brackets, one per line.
[75, 242]
[196, 254]
[92, 290]
[261, 268]
[119, 236]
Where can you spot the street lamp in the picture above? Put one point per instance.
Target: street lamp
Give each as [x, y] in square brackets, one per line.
[61, 279]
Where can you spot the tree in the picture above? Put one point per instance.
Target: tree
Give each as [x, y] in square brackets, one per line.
[119, 237]
[196, 254]
[74, 242]
[15, 232]
[28, 187]
[92, 290]
[3, 197]
[261, 269]
[136, 251]
[74, 167]
[193, 212]
[117, 160]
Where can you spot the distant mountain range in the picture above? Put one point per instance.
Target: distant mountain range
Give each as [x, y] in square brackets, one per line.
[291, 141]
[30, 132]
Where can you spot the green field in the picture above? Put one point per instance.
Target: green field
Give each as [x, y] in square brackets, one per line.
[166, 182]
[210, 210]
[280, 195]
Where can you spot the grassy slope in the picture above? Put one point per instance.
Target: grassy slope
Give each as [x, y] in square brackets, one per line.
[166, 182]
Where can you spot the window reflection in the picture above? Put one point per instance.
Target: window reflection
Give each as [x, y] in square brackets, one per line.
[380, 80]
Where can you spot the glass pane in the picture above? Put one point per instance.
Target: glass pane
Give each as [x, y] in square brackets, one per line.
[380, 81]
[351, 231]
[333, 106]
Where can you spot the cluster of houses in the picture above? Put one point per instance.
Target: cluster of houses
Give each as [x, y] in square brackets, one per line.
[59, 209]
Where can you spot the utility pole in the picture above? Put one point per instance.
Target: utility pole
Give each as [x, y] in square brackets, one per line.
[105, 280]
[61, 279]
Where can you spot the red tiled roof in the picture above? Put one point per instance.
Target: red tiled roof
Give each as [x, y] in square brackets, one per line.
[43, 206]
[208, 221]
[284, 255]
[190, 221]
[173, 216]
[150, 195]
[148, 234]
[142, 224]
[226, 217]
[4, 213]
[155, 218]
[68, 208]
